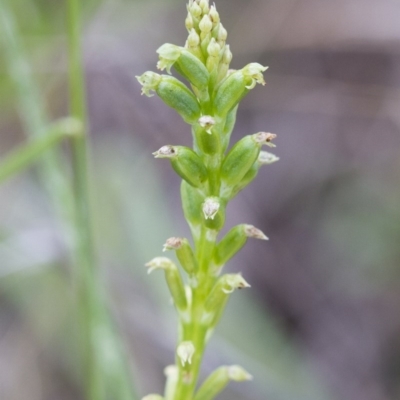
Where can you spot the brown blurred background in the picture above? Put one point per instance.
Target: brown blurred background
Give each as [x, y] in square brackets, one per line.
[322, 319]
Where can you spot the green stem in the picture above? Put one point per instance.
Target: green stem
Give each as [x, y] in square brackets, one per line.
[106, 373]
[197, 331]
[85, 272]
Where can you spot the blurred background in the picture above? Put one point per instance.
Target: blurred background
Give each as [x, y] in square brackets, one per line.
[322, 320]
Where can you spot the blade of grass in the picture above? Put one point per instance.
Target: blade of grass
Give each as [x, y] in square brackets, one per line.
[71, 205]
[100, 339]
[34, 118]
[29, 153]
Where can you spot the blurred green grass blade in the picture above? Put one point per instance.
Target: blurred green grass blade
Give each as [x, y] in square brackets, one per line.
[31, 152]
[33, 115]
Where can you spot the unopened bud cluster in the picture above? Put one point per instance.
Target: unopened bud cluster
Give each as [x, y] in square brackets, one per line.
[211, 176]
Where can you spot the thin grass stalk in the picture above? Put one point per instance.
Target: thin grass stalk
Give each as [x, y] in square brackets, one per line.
[35, 119]
[105, 377]
[31, 152]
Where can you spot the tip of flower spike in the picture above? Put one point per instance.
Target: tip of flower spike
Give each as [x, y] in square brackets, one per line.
[266, 158]
[159, 263]
[165, 152]
[185, 352]
[194, 9]
[238, 374]
[173, 243]
[205, 6]
[210, 207]
[214, 15]
[234, 281]
[253, 232]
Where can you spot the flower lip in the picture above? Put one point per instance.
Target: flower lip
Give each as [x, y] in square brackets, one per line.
[173, 243]
[254, 71]
[267, 158]
[167, 151]
[207, 122]
[264, 138]
[252, 232]
[168, 54]
[149, 81]
[185, 352]
[237, 373]
[234, 281]
[159, 263]
[210, 207]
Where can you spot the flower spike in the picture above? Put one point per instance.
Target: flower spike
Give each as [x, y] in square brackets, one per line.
[212, 173]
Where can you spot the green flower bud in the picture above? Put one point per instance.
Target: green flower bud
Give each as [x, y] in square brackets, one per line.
[214, 15]
[234, 240]
[218, 380]
[185, 352]
[193, 39]
[186, 163]
[214, 213]
[193, 45]
[224, 64]
[205, 24]
[184, 253]
[173, 278]
[213, 50]
[195, 10]
[192, 201]
[222, 34]
[205, 41]
[187, 64]
[241, 157]
[189, 22]
[205, 6]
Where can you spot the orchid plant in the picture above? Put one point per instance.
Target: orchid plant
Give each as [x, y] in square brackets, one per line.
[211, 176]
